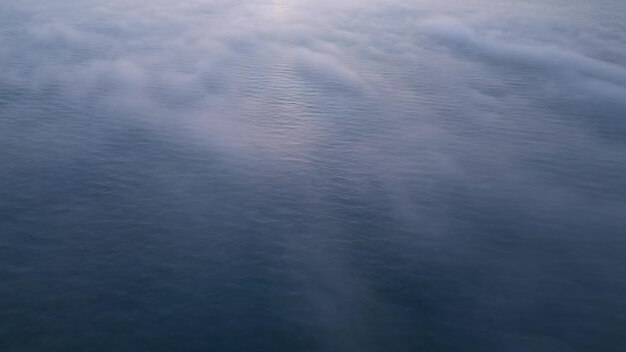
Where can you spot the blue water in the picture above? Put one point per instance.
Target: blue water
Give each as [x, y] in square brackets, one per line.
[284, 175]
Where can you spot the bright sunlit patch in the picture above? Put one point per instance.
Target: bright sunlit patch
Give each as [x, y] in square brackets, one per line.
[280, 9]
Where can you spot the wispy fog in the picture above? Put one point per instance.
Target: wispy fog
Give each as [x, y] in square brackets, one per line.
[315, 175]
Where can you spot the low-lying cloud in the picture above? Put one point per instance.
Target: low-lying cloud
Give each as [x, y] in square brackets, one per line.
[452, 117]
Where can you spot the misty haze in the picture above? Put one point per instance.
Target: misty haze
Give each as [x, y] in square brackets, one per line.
[313, 175]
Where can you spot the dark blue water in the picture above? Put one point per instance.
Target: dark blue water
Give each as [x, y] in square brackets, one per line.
[259, 175]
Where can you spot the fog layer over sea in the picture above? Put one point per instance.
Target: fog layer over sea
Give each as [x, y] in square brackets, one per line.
[298, 175]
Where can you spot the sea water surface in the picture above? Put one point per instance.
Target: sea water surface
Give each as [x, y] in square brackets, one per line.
[295, 175]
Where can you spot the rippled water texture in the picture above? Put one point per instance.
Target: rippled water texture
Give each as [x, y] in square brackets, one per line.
[293, 175]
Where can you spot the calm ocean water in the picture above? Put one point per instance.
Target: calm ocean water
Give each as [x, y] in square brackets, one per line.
[291, 175]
